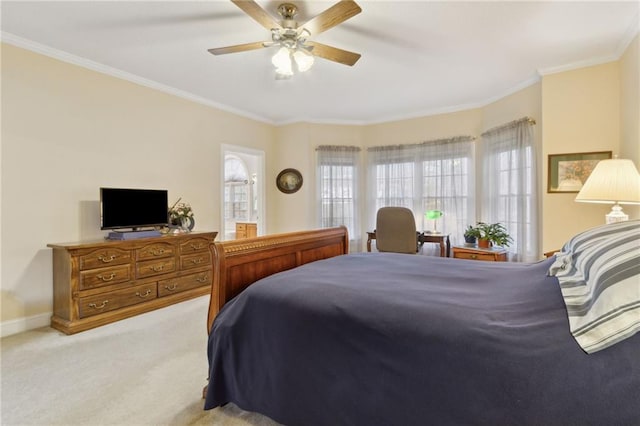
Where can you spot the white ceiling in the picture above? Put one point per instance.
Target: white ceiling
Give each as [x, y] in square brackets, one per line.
[418, 57]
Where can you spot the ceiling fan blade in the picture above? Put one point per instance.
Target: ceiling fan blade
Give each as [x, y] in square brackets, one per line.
[237, 48]
[333, 16]
[254, 10]
[333, 53]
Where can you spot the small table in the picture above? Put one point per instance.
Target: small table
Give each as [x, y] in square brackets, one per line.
[442, 239]
[495, 254]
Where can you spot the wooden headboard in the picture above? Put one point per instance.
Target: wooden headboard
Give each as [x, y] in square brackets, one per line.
[239, 263]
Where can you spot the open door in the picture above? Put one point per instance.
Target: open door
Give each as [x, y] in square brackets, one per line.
[243, 192]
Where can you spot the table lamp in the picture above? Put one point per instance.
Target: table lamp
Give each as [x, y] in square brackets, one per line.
[433, 215]
[614, 182]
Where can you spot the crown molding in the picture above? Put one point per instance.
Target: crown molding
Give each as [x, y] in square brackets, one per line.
[114, 72]
[462, 107]
[630, 34]
[623, 44]
[535, 78]
[577, 65]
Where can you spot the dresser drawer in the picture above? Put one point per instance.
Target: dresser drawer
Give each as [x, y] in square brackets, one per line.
[104, 276]
[175, 285]
[475, 256]
[155, 267]
[195, 261]
[155, 251]
[116, 299]
[104, 257]
[193, 245]
[492, 255]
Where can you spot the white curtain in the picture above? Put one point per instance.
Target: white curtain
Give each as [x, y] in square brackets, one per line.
[338, 168]
[510, 193]
[433, 175]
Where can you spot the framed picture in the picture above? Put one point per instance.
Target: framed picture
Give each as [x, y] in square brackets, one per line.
[568, 172]
[289, 181]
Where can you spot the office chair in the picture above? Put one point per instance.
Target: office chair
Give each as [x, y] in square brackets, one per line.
[396, 230]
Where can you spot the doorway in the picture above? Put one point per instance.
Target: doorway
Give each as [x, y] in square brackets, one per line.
[242, 191]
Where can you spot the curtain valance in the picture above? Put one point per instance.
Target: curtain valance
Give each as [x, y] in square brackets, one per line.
[508, 126]
[338, 148]
[434, 142]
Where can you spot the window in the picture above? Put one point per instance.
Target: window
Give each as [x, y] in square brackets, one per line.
[337, 168]
[435, 175]
[447, 186]
[509, 179]
[395, 183]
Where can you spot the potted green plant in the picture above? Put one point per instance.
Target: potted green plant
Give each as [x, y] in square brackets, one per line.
[471, 234]
[493, 234]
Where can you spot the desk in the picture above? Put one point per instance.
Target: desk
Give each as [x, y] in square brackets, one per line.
[442, 239]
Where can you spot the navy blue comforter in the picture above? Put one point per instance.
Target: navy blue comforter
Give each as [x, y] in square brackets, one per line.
[390, 339]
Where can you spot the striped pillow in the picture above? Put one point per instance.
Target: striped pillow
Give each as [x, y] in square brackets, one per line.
[599, 275]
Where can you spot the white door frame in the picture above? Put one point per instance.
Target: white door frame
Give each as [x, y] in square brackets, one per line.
[261, 186]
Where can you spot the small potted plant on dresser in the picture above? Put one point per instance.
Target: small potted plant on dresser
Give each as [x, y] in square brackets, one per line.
[493, 234]
[471, 234]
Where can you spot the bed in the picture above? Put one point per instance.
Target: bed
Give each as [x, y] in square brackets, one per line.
[308, 335]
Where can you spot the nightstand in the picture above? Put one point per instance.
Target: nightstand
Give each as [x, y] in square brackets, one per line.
[494, 254]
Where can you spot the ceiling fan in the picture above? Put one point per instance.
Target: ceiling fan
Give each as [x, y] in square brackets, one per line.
[293, 39]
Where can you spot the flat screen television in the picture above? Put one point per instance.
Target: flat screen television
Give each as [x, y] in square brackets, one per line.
[123, 208]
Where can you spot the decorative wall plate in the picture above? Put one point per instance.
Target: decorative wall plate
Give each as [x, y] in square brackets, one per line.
[289, 181]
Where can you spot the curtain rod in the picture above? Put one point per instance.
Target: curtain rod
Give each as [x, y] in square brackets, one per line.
[529, 120]
[442, 141]
[337, 147]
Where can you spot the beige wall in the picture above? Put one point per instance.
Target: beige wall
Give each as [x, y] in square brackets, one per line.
[295, 148]
[66, 131]
[630, 102]
[630, 110]
[580, 113]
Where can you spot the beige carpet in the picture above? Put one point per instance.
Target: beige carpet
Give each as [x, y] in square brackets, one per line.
[145, 370]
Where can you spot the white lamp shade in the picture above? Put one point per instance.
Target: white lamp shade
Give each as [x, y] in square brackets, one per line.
[612, 181]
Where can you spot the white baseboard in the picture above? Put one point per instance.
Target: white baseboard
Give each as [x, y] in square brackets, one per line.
[7, 328]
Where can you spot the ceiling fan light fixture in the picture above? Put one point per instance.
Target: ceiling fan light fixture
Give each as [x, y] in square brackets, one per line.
[282, 59]
[304, 60]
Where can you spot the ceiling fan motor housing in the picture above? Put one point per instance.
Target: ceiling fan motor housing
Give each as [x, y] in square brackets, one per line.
[287, 11]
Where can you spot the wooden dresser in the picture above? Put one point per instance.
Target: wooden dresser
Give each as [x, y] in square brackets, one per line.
[97, 283]
[496, 254]
[246, 230]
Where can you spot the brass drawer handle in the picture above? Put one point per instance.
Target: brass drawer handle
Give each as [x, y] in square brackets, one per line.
[197, 247]
[197, 261]
[107, 279]
[172, 287]
[157, 252]
[203, 279]
[94, 306]
[473, 256]
[142, 296]
[157, 268]
[104, 259]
